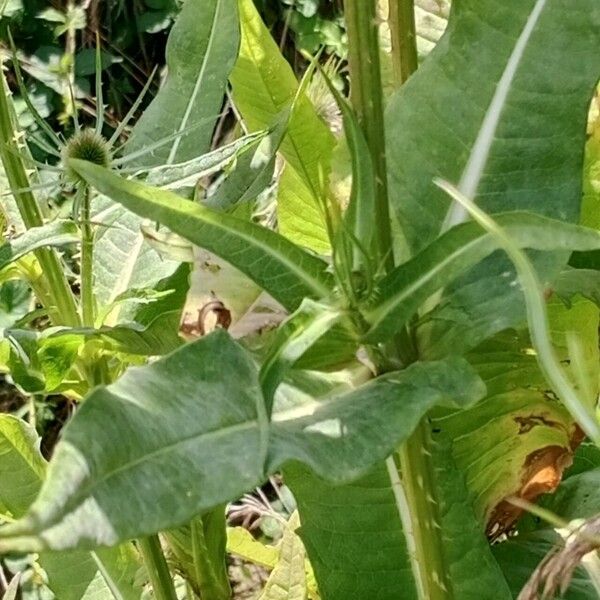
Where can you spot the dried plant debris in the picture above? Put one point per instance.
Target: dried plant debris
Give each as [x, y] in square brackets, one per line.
[553, 575]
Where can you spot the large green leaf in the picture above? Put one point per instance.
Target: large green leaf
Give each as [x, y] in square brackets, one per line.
[199, 453]
[285, 271]
[264, 85]
[521, 173]
[535, 158]
[123, 259]
[404, 290]
[73, 576]
[201, 50]
[354, 536]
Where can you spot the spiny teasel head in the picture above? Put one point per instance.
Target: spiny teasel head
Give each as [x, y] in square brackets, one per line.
[86, 145]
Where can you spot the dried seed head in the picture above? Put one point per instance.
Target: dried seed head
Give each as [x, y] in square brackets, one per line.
[86, 145]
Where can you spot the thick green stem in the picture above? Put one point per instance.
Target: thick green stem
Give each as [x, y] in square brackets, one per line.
[416, 474]
[367, 99]
[59, 301]
[157, 568]
[415, 489]
[87, 261]
[404, 37]
[209, 539]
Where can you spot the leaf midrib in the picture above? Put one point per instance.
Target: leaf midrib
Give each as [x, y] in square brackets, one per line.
[86, 492]
[198, 84]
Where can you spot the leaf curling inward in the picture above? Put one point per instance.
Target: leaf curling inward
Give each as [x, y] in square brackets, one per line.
[541, 473]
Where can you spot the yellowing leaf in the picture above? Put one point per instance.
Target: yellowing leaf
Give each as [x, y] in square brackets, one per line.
[264, 85]
[288, 579]
[241, 543]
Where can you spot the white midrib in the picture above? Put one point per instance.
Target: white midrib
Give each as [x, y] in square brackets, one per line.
[197, 85]
[407, 524]
[480, 152]
[108, 579]
[126, 275]
[311, 282]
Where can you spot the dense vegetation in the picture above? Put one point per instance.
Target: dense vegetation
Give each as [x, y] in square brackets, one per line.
[310, 313]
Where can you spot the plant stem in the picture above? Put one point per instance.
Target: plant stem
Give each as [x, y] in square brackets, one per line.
[415, 490]
[209, 539]
[404, 36]
[157, 568]
[87, 260]
[59, 301]
[367, 99]
[416, 474]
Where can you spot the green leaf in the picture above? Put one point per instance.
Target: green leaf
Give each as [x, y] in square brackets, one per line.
[200, 551]
[15, 302]
[293, 339]
[52, 15]
[484, 37]
[201, 51]
[571, 282]
[243, 544]
[264, 85]
[9, 8]
[537, 319]
[356, 529]
[361, 207]
[56, 233]
[201, 453]
[352, 532]
[285, 271]
[123, 258]
[404, 290]
[182, 176]
[472, 566]
[104, 575]
[22, 470]
[158, 338]
[253, 172]
[535, 160]
[22, 467]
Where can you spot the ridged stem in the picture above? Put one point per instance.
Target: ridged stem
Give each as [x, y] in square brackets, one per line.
[404, 39]
[367, 100]
[415, 489]
[209, 539]
[158, 570]
[87, 261]
[59, 300]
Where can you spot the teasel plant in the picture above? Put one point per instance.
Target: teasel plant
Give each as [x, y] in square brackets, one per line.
[87, 142]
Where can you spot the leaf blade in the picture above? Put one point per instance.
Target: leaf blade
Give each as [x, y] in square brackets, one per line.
[252, 249]
[409, 285]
